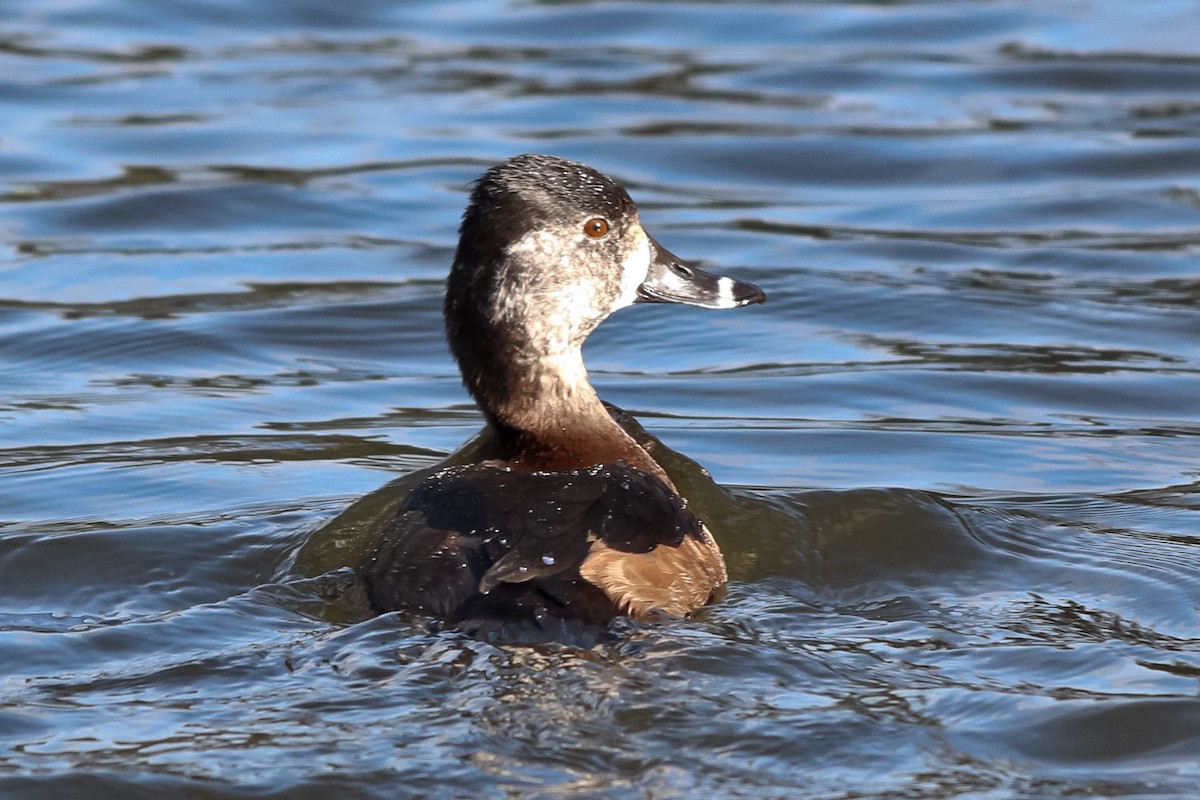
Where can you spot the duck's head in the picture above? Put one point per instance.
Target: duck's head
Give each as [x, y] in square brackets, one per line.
[547, 249]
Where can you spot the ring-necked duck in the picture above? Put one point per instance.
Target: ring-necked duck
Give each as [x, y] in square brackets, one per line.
[566, 522]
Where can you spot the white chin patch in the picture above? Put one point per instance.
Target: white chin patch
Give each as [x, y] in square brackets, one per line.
[634, 270]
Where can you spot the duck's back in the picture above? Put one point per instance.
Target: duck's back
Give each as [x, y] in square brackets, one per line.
[494, 549]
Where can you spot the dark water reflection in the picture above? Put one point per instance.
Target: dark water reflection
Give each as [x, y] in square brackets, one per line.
[954, 458]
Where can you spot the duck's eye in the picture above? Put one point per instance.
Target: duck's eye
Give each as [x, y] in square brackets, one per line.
[596, 227]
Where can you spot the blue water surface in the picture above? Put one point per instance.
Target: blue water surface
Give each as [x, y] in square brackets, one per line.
[955, 459]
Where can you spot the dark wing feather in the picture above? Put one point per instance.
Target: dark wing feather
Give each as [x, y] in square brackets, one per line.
[502, 547]
[637, 512]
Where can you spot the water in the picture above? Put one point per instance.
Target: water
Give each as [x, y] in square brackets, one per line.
[956, 462]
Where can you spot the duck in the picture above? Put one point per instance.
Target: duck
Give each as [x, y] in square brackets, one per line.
[563, 522]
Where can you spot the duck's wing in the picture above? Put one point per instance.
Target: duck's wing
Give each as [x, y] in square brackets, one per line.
[485, 542]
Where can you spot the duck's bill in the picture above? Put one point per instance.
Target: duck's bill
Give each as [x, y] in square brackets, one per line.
[669, 280]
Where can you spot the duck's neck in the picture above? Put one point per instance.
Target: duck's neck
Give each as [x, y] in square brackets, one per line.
[546, 415]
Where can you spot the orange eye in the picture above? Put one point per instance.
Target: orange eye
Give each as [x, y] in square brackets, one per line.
[596, 227]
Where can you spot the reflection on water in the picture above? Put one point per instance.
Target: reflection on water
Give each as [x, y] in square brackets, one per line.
[953, 461]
